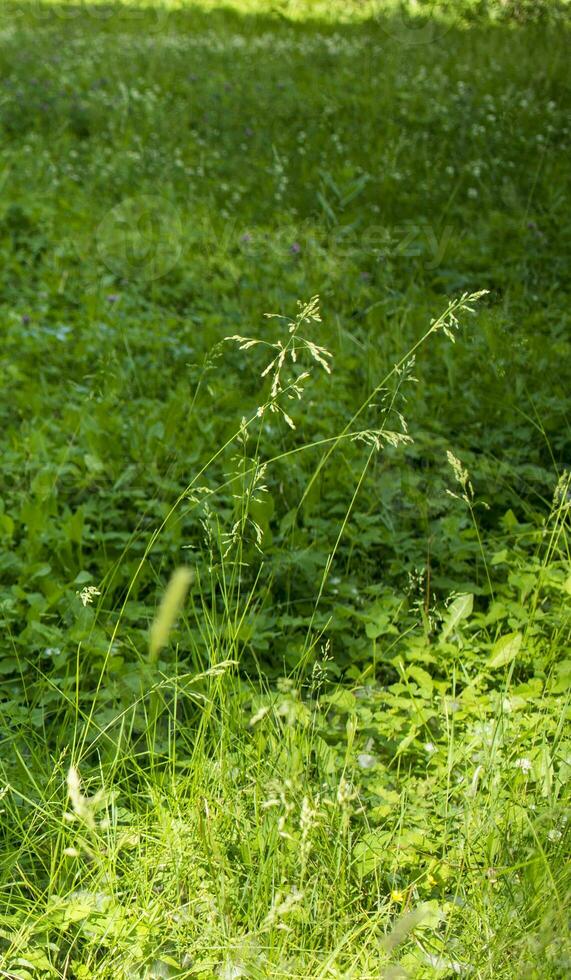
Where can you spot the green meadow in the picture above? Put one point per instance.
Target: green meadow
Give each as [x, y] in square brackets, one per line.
[285, 494]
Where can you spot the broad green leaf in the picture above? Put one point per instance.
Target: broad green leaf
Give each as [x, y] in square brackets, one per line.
[561, 680]
[407, 740]
[505, 650]
[500, 557]
[377, 621]
[422, 678]
[496, 612]
[460, 609]
[79, 908]
[74, 526]
[93, 463]
[428, 915]
[7, 525]
[342, 700]
[371, 851]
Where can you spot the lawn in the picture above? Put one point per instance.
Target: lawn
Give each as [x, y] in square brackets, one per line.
[285, 498]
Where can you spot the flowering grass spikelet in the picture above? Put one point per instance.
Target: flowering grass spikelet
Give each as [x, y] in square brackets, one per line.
[288, 350]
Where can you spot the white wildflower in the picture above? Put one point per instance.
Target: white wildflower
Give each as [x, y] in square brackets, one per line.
[524, 765]
[87, 595]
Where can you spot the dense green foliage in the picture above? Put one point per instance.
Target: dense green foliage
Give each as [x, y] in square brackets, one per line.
[349, 756]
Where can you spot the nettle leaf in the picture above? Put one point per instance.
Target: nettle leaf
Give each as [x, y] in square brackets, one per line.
[458, 610]
[422, 678]
[561, 680]
[343, 701]
[505, 650]
[378, 621]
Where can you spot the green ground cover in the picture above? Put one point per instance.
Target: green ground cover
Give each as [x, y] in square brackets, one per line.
[342, 750]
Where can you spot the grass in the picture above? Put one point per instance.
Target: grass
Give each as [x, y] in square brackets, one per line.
[336, 744]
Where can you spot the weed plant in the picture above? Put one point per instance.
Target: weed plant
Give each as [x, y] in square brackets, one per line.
[285, 599]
